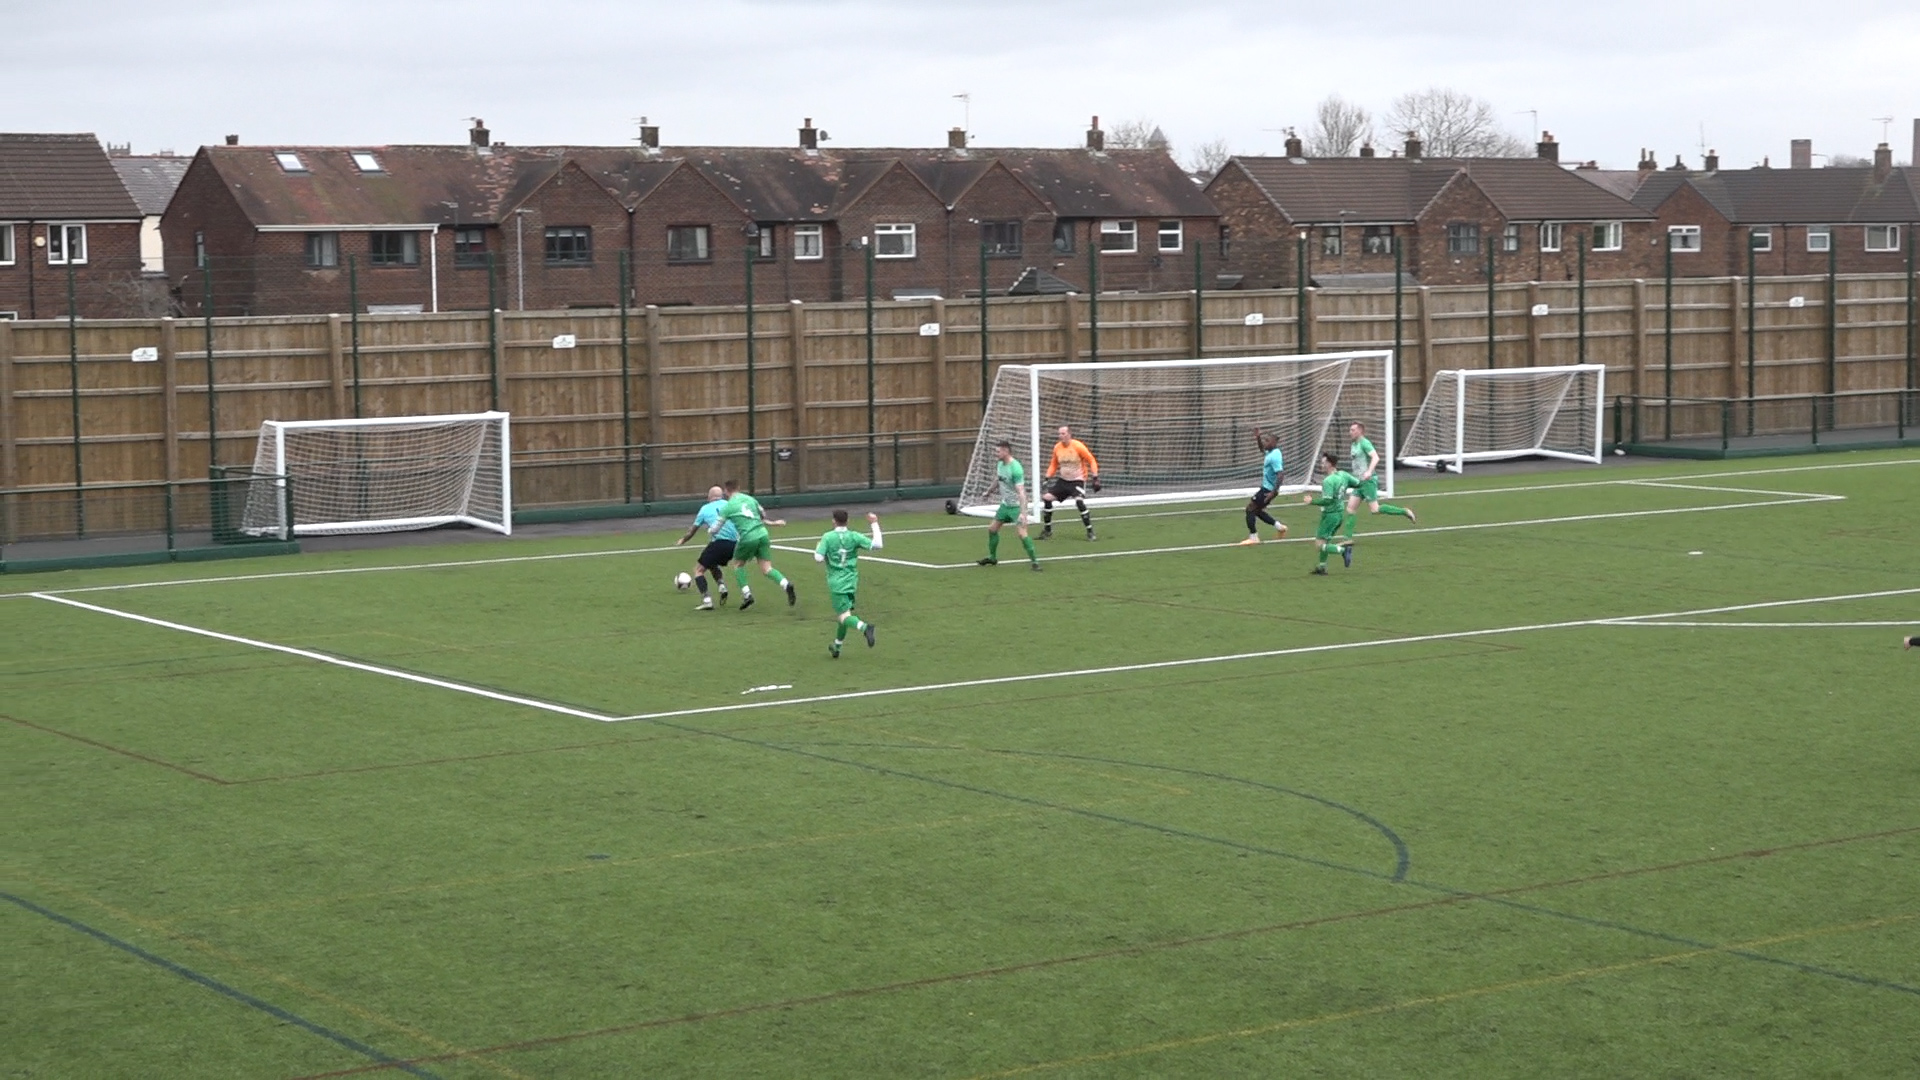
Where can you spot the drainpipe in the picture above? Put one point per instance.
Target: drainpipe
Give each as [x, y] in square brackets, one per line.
[433, 266]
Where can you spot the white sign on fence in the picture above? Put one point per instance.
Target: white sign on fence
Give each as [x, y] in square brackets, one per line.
[929, 329]
[1540, 309]
[146, 354]
[564, 341]
[1798, 301]
[1255, 318]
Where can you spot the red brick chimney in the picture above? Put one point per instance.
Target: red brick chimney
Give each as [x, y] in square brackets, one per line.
[1414, 147]
[233, 140]
[649, 134]
[1713, 161]
[1548, 149]
[1096, 139]
[809, 135]
[1295, 148]
[478, 135]
[956, 138]
[1801, 154]
[1882, 162]
[1366, 149]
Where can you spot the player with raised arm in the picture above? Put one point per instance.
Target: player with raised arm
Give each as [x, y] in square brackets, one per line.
[1272, 464]
[753, 544]
[1333, 510]
[1010, 482]
[1071, 469]
[840, 549]
[1366, 461]
[713, 558]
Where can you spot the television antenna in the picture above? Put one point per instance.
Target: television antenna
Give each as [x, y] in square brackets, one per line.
[966, 115]
[1885, 122]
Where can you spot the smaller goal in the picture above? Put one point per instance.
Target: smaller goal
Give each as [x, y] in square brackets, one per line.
[383, 475]
[1509, 413]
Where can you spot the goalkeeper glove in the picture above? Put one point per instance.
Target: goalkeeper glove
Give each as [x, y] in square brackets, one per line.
[1096, 483]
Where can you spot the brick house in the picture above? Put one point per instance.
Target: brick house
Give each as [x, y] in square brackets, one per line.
[151, 179]
[1797, 220]
[65, 215]
[1342, 217]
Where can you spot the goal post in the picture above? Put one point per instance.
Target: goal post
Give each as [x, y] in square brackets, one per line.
[1504, 413]
[383, 475]
[1168, 431]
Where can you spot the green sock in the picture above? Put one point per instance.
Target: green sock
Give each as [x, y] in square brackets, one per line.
[1325, 550]
[859, 624]
[993, 545]
[1396, 511]
[779, 578]
[740, 575]
[1347, 525]
[1032, 555]
[840, 630]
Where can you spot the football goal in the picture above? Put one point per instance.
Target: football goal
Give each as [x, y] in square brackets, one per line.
[384, 475]
[1509, 413]
[1182, 430]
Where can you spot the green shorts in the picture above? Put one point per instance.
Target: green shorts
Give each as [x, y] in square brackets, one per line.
[1329, 525]
[1007, 512]
[1368, 490]
[749, 550]
[842, 602]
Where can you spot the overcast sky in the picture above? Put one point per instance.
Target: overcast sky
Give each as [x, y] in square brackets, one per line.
[1605, 78]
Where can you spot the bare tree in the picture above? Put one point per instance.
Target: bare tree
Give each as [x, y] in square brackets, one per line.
[1454, 124]
[1339, 127]
[1206, 158]
[1849, 161]
[1140, 133]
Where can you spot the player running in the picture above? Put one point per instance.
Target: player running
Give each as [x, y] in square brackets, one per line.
[1076, 468]
[713, 558]
[1011, 483]
[753, 544]
[1366, 461]
[1271, 467]
[1333, 510]
[840, 549]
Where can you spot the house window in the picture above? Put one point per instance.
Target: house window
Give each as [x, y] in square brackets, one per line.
[1819, 237]
[1510, 238]
[807, 242]
[1760, 239]
[200, 248]
[289, 161]
[1226, 240]
[1608, 235]
[893, 241]
[688, 243]
[1119, 237]
[1001, 239]
[762, 241]
[1172, 236]
[1063, 237]
[1376, 240]
[66, 244]
[365, 161]
[1683, 238]
[469, 247]
[1883, 238]
[1463, 238]
[6, 244]
[1330, 240]
[323, 250]
[393, 248]
[1549, 236]
[569, 245]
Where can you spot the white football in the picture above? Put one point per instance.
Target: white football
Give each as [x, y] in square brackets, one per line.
[683, 581]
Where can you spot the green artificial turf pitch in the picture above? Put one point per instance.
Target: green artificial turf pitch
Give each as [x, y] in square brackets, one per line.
[1559, 782]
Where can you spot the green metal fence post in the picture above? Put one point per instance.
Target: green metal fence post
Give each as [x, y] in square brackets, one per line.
[353, 322]
[626, 385]
[1833, 319]
[73, 382]
[170, 521]
[1580, 250]
[1093, 298]
[1666, 337]
[896, 464]
[773, 466]
[1493, 360]
[1300, 293]
[213, 412]
[1913, 241]
[1199, 300]
[983, 335]
[493, 338]
[753, 457]
[1752, 305]
[1726, 424]
[872, 419]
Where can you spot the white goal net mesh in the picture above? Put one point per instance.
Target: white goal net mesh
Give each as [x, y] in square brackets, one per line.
[1508, 413]
[356, 476]
[1180, 430]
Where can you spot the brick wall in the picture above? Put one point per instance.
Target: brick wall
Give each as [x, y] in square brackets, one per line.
[106, 286]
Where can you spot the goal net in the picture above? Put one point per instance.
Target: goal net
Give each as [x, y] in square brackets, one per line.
[385, 475]
[1509, 413]
[1182, 430]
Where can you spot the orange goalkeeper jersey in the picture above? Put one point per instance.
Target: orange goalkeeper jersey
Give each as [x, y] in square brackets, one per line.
[1073, 461]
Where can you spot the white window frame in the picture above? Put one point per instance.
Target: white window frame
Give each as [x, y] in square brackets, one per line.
[1550, 236]
[1890, 233]
[1678, 237]
[289, 161]
[365, 161]
[901, 236]
[1178, 231]
[1126, 228]
[1609, 235]
[763, 242]
[809, 242]
[323, 251]
[60, 245]
[6, 243]
[1819, 237]
[1760, 238]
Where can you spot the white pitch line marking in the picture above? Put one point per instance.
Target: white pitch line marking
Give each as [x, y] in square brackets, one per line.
[1770, 625]
[864, 557]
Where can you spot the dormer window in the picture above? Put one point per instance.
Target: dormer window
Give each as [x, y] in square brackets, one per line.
[289, 161]
[365, 161]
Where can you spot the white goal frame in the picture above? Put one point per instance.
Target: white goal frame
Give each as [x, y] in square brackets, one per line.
[1454, 384]
[1379, 428]
[271, 458]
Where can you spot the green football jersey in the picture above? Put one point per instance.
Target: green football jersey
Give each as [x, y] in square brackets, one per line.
[1011, 476]
[747, 517]
[1333, 490]
[841, 548]
[1362, 454]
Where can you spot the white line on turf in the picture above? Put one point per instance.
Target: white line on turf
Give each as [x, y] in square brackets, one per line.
[337, 661]
[864, 557]
[1769, 625]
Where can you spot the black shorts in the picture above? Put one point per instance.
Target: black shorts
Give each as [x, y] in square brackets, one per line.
[717, 554]
[1261, 498]
[1060, 490]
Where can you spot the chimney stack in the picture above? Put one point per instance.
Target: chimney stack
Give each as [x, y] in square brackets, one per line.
[1647, 164]
[1366, 149]
[809, 135]
[649, 134]
[1548, 149]
[233, 140]
[956, 138]
[1096, 139]
[479, 135]
[1678, 165]
[1414, 147]
[1882, 162]
[1801, 154]
[1713, 161]
[1295, 148]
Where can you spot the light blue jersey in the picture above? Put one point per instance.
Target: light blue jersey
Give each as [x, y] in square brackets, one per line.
[709, 518]
[1270, 469]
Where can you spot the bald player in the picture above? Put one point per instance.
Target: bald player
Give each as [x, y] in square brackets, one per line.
[1069, 471]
